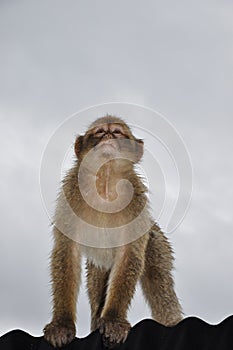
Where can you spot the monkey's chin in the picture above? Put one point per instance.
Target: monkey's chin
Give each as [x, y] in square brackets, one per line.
[106, 149]
[108, 153]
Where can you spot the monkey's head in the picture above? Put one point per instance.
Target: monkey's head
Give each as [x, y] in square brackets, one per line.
[110, 138]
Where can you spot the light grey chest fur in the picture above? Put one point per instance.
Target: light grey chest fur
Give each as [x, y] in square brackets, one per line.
[100, 257]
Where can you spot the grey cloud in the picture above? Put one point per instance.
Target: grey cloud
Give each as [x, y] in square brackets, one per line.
[57, 58]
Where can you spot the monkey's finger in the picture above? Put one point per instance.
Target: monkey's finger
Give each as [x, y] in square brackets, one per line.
[125, 336]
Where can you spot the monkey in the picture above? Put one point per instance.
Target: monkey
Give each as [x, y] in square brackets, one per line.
[137, 250]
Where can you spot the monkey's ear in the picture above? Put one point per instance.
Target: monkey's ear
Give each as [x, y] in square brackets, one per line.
[139, 149]
[78, 145]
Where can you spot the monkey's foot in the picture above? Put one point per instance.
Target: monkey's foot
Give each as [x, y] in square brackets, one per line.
[59, 333]
[114, 331]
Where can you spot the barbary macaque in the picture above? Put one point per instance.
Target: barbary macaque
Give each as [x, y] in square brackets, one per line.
[103, 213]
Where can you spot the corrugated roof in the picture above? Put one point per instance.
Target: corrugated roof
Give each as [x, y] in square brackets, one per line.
[190, 334]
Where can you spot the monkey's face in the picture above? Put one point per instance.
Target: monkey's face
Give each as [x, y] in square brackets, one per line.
[110, 141]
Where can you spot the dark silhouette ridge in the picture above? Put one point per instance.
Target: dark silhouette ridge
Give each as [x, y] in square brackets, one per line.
[190, 334]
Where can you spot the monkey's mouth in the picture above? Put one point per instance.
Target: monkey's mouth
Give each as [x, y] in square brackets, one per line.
[107, 144]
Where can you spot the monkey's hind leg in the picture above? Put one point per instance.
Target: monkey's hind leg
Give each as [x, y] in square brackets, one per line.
[157, 282]
[97, 279]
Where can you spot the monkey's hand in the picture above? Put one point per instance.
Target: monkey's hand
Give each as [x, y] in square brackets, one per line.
[60, 333]
[114, 331]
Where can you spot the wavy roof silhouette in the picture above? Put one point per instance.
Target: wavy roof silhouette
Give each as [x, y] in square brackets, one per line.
[190, 334]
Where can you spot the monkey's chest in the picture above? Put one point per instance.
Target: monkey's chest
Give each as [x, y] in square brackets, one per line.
[100, 257]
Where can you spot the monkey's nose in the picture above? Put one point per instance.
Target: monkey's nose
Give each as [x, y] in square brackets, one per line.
[107, 136]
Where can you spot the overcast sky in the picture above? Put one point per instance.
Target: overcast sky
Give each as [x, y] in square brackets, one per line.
[60, 57]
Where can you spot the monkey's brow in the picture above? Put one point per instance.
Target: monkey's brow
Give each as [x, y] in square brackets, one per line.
[96, 129]
[103, 126]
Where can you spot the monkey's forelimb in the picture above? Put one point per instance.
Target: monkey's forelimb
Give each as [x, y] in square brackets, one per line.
[66, 275]
[123, 278]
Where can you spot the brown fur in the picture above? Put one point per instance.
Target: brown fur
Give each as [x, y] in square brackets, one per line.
[112, 273]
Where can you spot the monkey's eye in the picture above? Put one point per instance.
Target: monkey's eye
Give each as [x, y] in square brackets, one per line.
[100, 131]
[117, 131]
